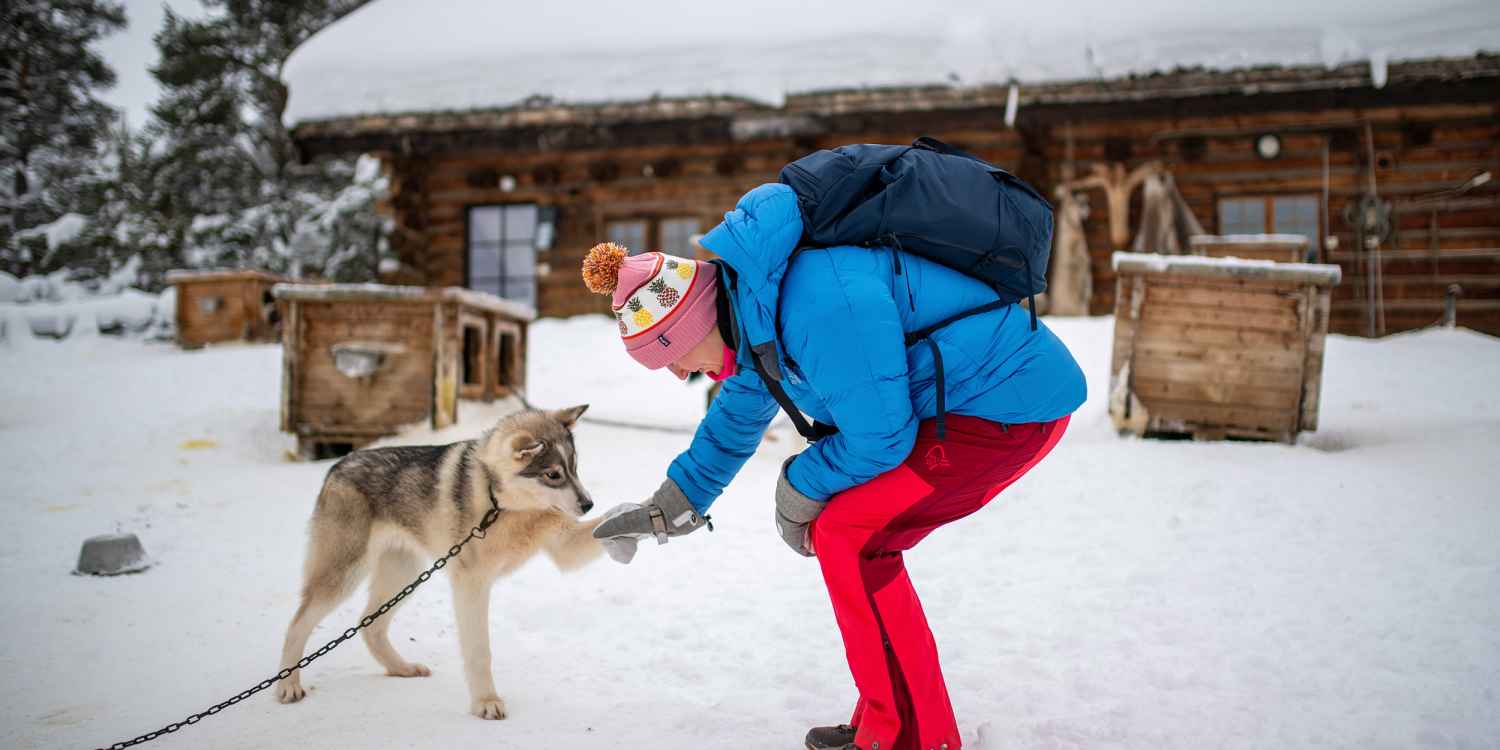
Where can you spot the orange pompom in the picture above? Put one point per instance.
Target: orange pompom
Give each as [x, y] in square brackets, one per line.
[601, 268]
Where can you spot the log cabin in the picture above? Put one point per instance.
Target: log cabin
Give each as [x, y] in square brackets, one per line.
[1385, 169]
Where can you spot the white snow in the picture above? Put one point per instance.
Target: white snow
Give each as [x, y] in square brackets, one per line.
[1344, 592]
[412, 55]
[58, 232]
[10, 288]
[130, 309]
[55, 307]
[1318, 273]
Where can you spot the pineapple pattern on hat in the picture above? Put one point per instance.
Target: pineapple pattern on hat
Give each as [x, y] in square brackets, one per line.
[663, 305]
[655, 300]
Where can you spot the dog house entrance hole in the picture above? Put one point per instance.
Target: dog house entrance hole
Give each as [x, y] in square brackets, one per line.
[324, 451]
[473, 373]
[505, 364]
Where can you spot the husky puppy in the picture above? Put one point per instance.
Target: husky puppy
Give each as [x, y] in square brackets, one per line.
[385, 513]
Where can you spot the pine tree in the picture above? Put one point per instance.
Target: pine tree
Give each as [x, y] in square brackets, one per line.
[234, 192]
[51, 123]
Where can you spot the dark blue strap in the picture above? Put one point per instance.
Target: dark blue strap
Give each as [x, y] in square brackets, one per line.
[942, 408]
[764, 357]
[922, 333]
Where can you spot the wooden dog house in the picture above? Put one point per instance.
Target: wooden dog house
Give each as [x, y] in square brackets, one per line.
[216, 306]
[1218, 347]
[360, 361]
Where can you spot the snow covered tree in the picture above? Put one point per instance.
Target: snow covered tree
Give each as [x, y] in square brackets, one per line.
[232, 192]
[51, 123]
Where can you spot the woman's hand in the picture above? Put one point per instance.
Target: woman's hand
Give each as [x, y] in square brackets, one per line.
[620, 548]
[667, 513]
[794, 514]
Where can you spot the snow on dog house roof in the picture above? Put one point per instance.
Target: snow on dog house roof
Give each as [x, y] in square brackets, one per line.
[416, 56]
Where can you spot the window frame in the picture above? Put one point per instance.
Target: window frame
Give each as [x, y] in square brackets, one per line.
[653, 230]
[1268, 208]
[505, 279]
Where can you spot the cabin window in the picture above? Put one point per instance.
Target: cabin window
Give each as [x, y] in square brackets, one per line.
[677, 237]
[502, 251]
[1271, 214]
[628, 234]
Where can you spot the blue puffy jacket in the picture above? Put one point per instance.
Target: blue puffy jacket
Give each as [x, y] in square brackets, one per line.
[844, 315]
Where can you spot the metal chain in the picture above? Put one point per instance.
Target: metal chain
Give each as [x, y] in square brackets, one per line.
[478, 532]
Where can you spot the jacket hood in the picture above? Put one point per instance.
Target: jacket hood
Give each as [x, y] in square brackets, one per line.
[757, 239]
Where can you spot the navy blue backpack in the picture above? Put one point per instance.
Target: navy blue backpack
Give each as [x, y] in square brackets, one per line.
[932, 200]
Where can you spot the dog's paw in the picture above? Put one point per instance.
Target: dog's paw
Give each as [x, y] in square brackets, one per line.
[410, 670]
[488, 708]
[290, 691]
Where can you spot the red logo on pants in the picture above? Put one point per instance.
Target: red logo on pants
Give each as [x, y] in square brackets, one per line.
[936, 458]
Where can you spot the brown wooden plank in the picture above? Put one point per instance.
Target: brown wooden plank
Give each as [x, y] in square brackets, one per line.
[1289, 359]
[1165, 411]
[1149, 390]
[415, 335]
[1185, 371]
[1238, 297]
[1186, 315]
[1218, 335]
[290, 349]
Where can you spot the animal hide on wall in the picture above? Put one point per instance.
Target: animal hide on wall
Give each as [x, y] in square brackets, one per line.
[1166, 221]
[1072, 281]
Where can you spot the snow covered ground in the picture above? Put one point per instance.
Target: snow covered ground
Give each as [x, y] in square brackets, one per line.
[1344, 592]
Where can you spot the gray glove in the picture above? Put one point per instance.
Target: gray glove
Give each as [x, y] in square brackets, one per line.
[794, 511]
[620, 548]
[667, 513]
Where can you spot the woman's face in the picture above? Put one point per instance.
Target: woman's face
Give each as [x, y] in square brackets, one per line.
[707, 357]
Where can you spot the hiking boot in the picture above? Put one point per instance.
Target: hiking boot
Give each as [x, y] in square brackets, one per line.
[840, 737]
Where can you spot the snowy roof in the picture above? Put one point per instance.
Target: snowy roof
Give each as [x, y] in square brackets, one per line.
[388, 293]
[415, 56]
[177, 276]
[1239, 268]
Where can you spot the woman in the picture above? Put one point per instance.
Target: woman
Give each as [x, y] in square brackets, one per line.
[831, 326]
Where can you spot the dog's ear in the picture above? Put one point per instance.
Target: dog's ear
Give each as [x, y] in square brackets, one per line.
[525, 448]
[569, 417]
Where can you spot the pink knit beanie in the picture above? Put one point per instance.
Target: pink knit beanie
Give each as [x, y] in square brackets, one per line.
[665, 305]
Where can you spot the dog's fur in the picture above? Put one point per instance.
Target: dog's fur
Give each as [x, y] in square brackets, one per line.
[385, 512]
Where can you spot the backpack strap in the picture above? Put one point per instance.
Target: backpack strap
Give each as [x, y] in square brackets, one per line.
[932, 144]
[925, 334]
[764, 357]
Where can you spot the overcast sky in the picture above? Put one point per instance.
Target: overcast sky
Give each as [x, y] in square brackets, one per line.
[131, 53]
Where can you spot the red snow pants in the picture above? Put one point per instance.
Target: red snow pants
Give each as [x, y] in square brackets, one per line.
[859, 539]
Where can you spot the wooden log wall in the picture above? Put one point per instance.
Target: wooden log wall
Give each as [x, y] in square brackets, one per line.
[587, 190]
[1419, 152]
[431, 195]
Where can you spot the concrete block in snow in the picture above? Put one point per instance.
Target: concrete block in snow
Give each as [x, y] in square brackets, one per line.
[112, 554]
